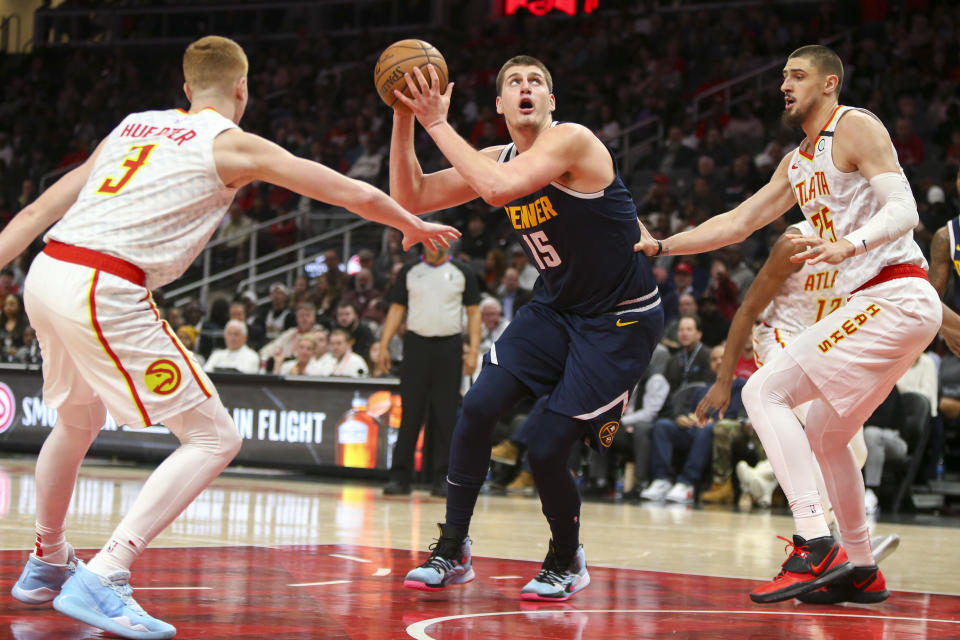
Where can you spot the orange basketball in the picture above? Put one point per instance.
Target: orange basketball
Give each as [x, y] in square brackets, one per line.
[403, 57]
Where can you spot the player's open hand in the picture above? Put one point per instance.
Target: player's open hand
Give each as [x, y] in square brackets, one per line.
[430, 234]
[428, 103]
[817, 250]
[648, 244]
[715, 402]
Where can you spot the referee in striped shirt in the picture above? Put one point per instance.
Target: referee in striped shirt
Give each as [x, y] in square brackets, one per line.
[433, 293]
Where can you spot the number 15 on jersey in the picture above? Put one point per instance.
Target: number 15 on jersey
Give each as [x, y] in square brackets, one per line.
[543, 252]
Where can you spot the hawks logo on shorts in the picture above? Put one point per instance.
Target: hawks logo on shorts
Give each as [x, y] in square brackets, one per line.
[162, 377]
[607, 432]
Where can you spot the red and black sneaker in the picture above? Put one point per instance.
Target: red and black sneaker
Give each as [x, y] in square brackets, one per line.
[864, 585]
[811, 564]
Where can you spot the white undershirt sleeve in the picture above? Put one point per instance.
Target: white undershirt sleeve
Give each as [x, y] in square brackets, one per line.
[897, 215]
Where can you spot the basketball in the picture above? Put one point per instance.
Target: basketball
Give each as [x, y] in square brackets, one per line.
[403, 57]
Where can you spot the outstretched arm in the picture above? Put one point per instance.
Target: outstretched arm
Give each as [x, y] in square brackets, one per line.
[44, 211]
[764, 288]
[763, 207]
[554, 153]
[242, 157]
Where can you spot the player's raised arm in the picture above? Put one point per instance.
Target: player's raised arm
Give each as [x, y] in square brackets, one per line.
[764, 288]
[766, 205]
[44, 211]
[555, 151]
[409, 186]
[243, 157]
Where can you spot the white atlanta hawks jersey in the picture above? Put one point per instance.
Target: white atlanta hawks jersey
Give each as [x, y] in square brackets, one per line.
[153, 197]
[836, 203]
[806, 296]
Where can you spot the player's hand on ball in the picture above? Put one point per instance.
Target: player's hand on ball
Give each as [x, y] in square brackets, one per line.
[428, 103]
[430, 234]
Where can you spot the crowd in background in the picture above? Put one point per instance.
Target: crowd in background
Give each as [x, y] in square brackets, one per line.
[611, 72]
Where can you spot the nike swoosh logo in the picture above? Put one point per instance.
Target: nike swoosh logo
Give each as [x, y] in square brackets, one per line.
[861, 585]
[818, 568]
[621, 323]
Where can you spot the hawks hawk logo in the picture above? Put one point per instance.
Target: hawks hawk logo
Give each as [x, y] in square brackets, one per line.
[162, 377]
[607, 432]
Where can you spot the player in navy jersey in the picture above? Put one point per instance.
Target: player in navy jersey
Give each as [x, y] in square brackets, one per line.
[584, 340]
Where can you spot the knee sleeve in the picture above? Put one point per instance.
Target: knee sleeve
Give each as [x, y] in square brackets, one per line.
[208, 427]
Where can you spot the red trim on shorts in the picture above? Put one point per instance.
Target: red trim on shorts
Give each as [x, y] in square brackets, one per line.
[180, 348]
[113, 356]
[892, 272]
[96, 260]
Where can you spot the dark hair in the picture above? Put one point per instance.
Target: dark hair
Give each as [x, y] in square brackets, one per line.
[523, 61]
[692, 316]
[824, 59]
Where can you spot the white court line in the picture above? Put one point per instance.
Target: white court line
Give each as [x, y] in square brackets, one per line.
[174, 588]
[505, 577]
[418, 631]
[382, 571]
[346, 557]
[319, 584]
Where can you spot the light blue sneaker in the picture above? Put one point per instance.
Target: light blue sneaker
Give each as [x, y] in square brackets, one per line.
[108, 604]
[556, 582]
[41, 581]
[450, 563]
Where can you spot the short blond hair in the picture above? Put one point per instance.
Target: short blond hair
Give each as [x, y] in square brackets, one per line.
[213, 62]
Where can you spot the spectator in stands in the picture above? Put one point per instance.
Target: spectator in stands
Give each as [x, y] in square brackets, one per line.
[493, 269]
[475, 243]
[741, 273]
[527, 273]
[8, 283]
[13, 322]
[211, 328]
[235, 234]
[715, 324]
[304, 361]
[361, 337]
[187, 334]
[29, 353]
[362, 293]
[236, 356]
[238, 311]
[275, 316]
[301, 291]
[511, 295]
[722, 289]
[340, 360]
[683, 430]
[282, 347]
[336, 276]
[675, 155]
[686, 307]
[683, 279]
[324, 299]
[908, 144]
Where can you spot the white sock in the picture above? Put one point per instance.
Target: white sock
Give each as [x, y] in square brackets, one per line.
[51, 544]
[118, 554]
[808, 516]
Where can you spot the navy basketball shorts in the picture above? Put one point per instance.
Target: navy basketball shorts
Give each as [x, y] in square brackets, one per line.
[586, 365]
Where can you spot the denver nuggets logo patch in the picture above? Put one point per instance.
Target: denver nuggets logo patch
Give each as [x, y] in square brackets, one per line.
[607, 432]
[162, 377]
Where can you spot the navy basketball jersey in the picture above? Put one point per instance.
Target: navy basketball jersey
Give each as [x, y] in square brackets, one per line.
[582, 245]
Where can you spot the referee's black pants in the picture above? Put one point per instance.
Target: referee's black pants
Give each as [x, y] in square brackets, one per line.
[430, 376]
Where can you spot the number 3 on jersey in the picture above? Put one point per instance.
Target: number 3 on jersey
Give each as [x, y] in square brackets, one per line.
[545, 255]
[133, 163]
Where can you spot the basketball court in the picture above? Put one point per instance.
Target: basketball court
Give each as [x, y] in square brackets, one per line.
[268, 555]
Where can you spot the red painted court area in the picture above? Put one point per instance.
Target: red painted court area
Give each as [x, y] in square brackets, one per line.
[336, 591]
